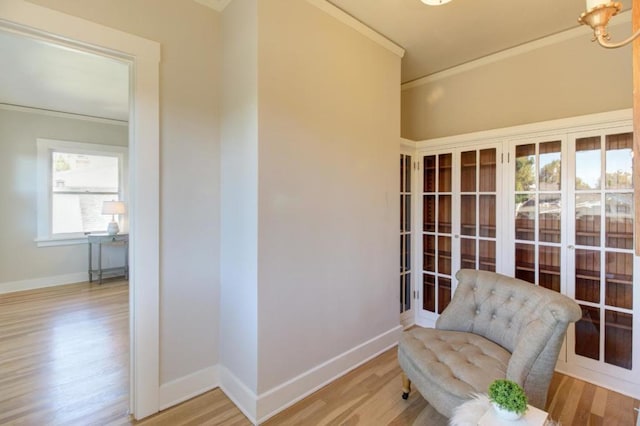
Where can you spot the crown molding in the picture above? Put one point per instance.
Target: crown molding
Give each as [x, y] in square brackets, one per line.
[352, 22]
[334, 11]
[62, 114]
[617, 118]
[581, 31]
[217, 5]
[407, 143]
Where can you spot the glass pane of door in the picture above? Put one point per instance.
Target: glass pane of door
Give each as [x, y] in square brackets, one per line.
[588, 333]
[618, 338]
[588, 272]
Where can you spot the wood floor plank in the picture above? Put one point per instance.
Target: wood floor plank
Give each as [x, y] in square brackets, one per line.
[559, 397]
[599, 402]
[571, 402]
[64, 361]
[619, 410]
[583, 409]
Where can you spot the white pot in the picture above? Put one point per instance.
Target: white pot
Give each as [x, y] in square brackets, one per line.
[504, 414]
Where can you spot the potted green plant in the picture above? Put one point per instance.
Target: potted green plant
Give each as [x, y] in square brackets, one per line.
[508, 398]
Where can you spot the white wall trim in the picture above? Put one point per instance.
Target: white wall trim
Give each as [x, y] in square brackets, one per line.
[334, 11]
[187, 387]
[36, 283]
[56, 242]
[581, 31]
[352, 22]
[60, 114]
[610, 119]
[260, 408]
[243, 397]
[277, 399]
[143, 57]
[217, 5]
[407, 144]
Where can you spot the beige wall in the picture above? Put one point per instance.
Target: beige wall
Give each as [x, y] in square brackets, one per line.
[190, 166]
[570, 78]
[239, 254]
[311, 125]
[20, 258]
[329, 126]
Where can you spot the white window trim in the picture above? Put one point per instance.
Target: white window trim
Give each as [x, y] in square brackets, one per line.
[43, 181]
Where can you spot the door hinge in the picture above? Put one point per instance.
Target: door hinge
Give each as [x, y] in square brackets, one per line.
[416, 294]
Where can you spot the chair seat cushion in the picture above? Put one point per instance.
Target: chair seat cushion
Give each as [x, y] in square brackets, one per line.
[459, 363]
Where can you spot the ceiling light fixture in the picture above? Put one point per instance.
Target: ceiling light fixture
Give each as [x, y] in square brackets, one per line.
[435, 2]
[597, 17]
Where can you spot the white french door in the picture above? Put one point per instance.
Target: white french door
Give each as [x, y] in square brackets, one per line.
[602, 269]
[459, 194]
[407, 166]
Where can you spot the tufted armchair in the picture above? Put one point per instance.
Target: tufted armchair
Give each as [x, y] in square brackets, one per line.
[495, 327]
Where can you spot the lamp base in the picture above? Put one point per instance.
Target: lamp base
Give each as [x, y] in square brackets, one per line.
[113, 228]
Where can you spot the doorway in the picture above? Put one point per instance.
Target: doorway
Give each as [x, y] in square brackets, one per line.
[24, 18]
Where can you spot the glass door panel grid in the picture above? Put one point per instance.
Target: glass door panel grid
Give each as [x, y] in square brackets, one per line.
[603, 261]
[437, 231]
[538, 213]
[405, 232]
[478, 209]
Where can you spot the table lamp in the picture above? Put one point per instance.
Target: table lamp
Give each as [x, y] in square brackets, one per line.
[113, 208]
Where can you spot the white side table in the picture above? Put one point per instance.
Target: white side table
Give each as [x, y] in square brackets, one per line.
[101, 239]
[533, 417]
[479, 411]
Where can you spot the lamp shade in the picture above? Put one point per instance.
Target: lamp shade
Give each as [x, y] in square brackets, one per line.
[435, 2]
[113, 207]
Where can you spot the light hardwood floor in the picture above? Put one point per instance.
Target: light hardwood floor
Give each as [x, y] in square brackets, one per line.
[64, 354]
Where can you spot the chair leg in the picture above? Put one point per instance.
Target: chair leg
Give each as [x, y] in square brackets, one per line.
[406, 386]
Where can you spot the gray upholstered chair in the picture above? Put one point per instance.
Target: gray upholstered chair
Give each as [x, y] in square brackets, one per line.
[495, 327]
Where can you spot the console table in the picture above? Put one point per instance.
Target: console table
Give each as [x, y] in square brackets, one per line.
[100, 240]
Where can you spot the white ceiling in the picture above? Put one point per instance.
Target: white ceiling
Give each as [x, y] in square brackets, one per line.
[41, 75]
[38, 74]
[440, 37]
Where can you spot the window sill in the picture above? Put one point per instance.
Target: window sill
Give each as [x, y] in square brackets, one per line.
[54, 242]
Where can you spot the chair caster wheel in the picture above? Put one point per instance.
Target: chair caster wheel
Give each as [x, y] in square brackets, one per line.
[405, 395]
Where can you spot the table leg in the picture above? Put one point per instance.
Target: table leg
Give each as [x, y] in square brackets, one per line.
[90, 263]
[126, 259]
[100, 262]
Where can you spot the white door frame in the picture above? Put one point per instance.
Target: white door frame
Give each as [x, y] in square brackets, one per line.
[144, 57]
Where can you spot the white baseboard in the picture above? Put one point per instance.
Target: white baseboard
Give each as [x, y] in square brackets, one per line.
[187, 387]
[243, 397]
[277, 399]
[35, 283]
[260, 408]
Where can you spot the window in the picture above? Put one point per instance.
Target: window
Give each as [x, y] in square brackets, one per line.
[74, 179]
